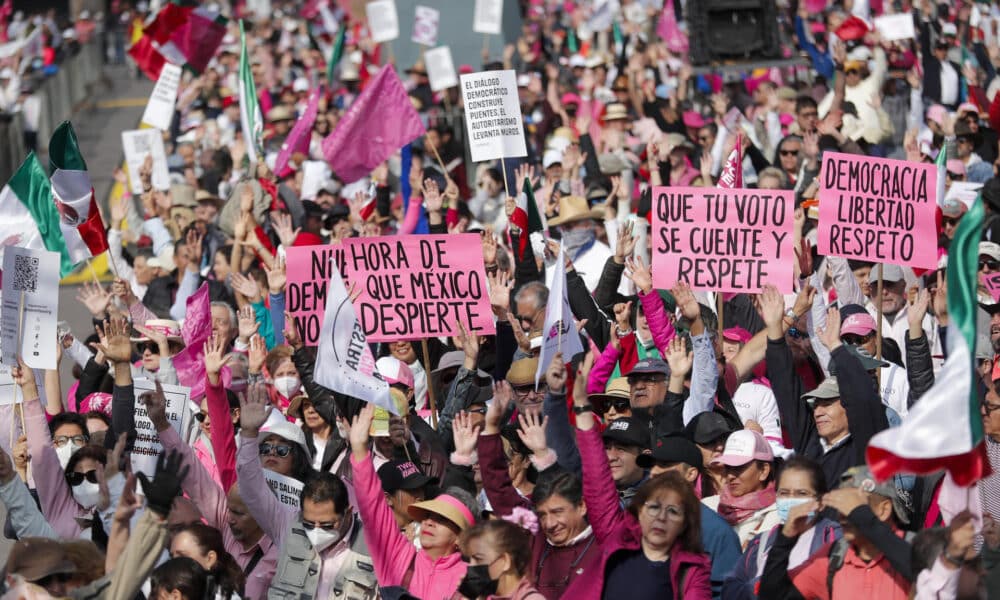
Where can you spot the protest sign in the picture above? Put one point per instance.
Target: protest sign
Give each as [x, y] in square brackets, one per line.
[138, 144]
[147, 440]
[383, 22]
[286, 490]
[440, 68]
[493, 115]
[488, 17]
[33, 275]
[160, 109]
[991, 282]
[419, 286]
[895, 27]
[723, 240]
[308, 271]
[878, 210]
[559, 333]
[425, 26]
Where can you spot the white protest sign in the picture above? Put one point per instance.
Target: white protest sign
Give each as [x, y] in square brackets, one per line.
[440, 68]
[261, 9]
[138, 144]
[287, 490]
[425, 26]
[160, 109]
[493, 115]
[147, 445]
[33, 275]
[383, 22]
[315, 174]
[895, 27]
[488, 17]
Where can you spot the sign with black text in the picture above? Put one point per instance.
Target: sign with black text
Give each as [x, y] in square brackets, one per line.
[493, 115]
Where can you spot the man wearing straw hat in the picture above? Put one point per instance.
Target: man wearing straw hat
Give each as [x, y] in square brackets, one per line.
[575, 222]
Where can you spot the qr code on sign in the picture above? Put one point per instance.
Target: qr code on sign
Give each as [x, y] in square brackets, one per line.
[25, 273]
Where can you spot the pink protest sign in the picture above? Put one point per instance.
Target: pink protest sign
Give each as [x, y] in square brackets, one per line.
[992, 284]
[723, 240]
[419, 286]
[878, 210]
[308, 271]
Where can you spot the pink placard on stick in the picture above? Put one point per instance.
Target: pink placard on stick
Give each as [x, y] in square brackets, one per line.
[723, 240]
[411, 286]
[878, 210]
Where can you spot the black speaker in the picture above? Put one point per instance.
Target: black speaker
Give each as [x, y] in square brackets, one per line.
[732, 30]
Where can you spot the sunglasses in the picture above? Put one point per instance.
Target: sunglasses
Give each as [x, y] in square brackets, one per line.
[992, 264]
[949, 221]
[619, 404]
[269, 449]
[854, 339]
[75, 478]
[789, 152]
[524, 390]
[201, 416]
[143, 346]
[329, 526]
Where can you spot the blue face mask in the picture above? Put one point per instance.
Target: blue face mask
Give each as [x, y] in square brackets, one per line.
[785, 505]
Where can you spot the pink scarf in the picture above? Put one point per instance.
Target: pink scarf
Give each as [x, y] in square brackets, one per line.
[736, 510]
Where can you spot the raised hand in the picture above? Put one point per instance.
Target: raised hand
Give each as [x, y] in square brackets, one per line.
[626, 242]
[247, 322]
[686, 301]
[254, 410]
[277, 276]
[489, 246]
[122, 290]
[432, 195]
[469, 343]
[830, 335]
[360, 431]
[246, 286]
[283, 227]
[257, 352]
[804, 299]
[639, 273]
[532, 432]
[119, 209]
[166, 483]
[918, 309]
[291, 333]
[128, 502]
[194, 241]
[678, 357]
[772, 306]
[465, 434]
[555, 376]
[156, 407]
[118, 347]
[215, 358]
[623, 315]
[95, 298]
[503, 395]
[500, 286]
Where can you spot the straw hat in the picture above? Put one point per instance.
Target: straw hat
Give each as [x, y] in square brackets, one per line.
[280, 113]
[574, 208]
[615, 111]
[447, 506]
[617, 389]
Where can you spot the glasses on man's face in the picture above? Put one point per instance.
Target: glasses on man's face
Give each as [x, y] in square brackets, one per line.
[477, 411]
[949, 221]
[852, 72]
[790, 152]
[61, 440]
[992, 265]
[526, 318]
[76, 478]
[280, 450]
[655, 510]
[328, 526]
[523, 391]
[646, 378]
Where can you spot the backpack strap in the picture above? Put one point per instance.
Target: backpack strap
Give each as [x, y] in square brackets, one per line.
[408, 576]
[837, 553]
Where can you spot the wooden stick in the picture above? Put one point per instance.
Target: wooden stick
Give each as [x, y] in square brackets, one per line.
[20, 327]
[431, 395]
[440, 162]
[486, 44]
[20, 411]
[503, 168]
[114, 267]
[878, 323]
[93, 273]
[720, 307]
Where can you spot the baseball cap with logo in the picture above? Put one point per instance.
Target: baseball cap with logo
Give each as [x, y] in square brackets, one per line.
[861, 477]
[395, 371]
[398, 475]
[671, 449]
[860, 323]
[627, 432]
[744, 446]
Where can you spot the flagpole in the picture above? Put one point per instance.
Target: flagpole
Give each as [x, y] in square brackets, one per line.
[503, 167]
[878, 323]
[486, 44]
[431, 396]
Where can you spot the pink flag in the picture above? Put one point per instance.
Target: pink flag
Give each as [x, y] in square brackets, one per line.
[197, 328]
[299, 137]
[667, 29]
[379, 122]
[732, 173]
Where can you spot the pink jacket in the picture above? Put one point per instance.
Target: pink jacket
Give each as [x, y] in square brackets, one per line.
[618, 530]
[660, 326]
[223, 435]
[391, 552]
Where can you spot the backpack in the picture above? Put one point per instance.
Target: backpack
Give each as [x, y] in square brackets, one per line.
[838, 551]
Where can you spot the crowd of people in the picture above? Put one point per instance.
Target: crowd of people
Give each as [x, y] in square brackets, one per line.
[677, 456]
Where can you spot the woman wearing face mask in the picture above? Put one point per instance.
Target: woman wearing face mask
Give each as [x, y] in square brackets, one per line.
[499, 553]
[746, 499]
[800, 480]
[284, 377]
[204, 544]
[435, 570]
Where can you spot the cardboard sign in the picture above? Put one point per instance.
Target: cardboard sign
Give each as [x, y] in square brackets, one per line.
[147, 441]
[138, 144]
[160, 109]
[308, 271]
[383, 22]
[425, 26]
[488, 17]
[35, 275]
[286, 490]
[493, 115]
[440, 68]
[878, 210]
[896, 27]
[723, 240]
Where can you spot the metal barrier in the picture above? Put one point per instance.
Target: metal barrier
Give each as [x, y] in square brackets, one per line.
[58, 96]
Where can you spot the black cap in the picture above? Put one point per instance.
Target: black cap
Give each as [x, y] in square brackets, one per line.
[672, 449]
[628, 432]
[312, 209]
[706, 427]
[650, 365]
[402, 475]
[336, 213]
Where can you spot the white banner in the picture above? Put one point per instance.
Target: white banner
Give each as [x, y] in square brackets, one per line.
[138, 144]
[493, 115]
[383, 22]
[286, 490]
[488, 17]
[160, 109]
[559, 333]
[440, 68]
[33, 274]
[147, 445]
[425, 26]
[896, 27]
[344, 362]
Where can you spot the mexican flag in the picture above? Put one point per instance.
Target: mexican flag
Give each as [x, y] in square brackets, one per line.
[186, 36]
[527, 217]
[251, 120]
[942, 170]
[333, 65]
[73, 195]
[732, 171]
[944, 429]
[29, 187]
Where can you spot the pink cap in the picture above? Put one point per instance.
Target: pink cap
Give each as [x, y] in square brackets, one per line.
[571, 98]
[98, 401]
[786, 119]
[955, 166]
[737, 334]
[394, 371]
[818, 27]
[693, 119]
[936, 113]
[860, 323]
[744, 446]
[967, 107]
[465, 69]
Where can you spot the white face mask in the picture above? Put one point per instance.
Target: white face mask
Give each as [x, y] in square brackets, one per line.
[65, 452]
[321, 539]
[87, 494]
[287, 386]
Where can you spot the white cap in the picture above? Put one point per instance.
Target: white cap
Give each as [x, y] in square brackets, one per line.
[85, 14]
[949, 29]
[861, 53]
[551, 157]
[577, 61]
[285, 430]
[301, 84]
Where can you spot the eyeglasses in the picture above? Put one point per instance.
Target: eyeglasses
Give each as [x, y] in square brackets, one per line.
[789, 152]
[524, 390]
[993, 265]
[78, 440]
[201, 416]
[619, 404]
[809, 115]
[269, 449]
[736, 470]
[988, 408]
[525, 318]
[949, 221]
[787, 493]
[329, 525]
[646, 378]
[669, 512]
[797, 334]
[75, 478]
[477, 411]
[143, 346]
[703, 138]
[854, 339]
